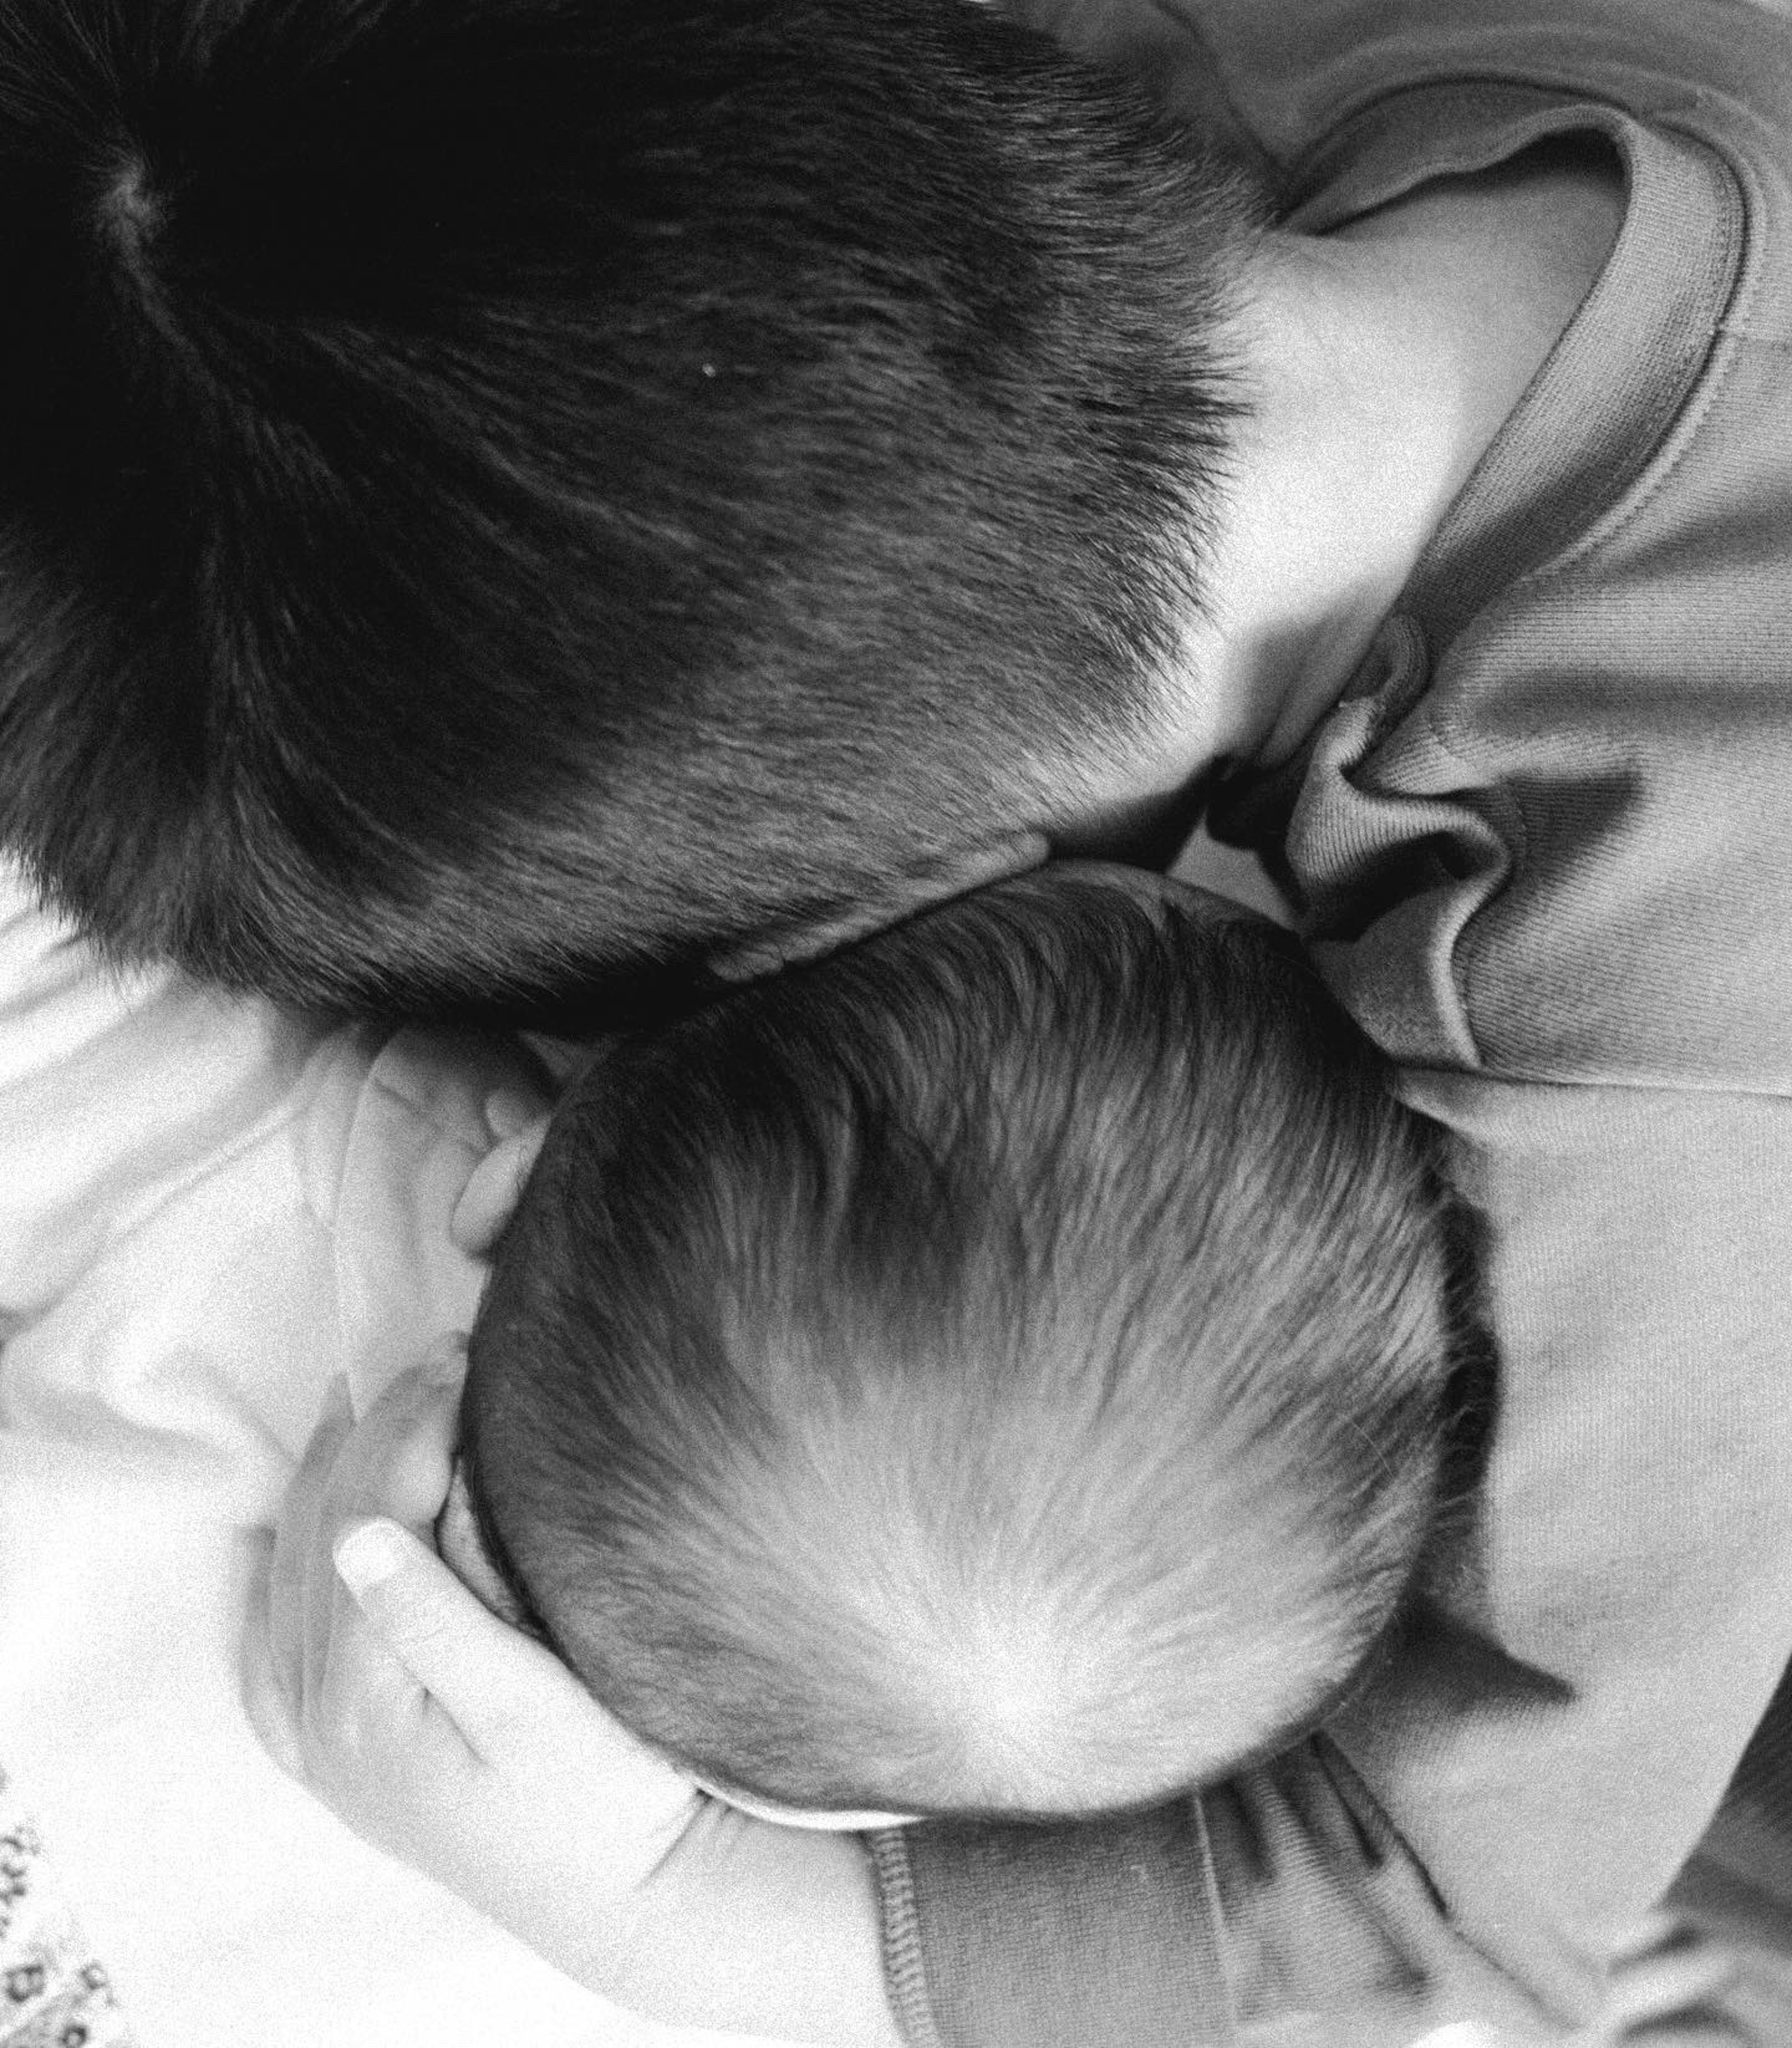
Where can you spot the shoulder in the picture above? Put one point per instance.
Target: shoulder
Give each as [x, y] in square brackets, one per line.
[1286, 71]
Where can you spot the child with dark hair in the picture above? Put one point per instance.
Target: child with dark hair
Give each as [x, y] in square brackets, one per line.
[498, 494]
[997, 1368]
[512, 497]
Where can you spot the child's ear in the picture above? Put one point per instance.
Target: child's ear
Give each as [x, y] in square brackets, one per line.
[488, 1198]
[906, 895]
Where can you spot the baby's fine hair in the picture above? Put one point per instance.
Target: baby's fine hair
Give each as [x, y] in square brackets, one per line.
[502, 498]
[999, 1367]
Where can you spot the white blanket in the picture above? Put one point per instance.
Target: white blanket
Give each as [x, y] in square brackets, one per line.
[207, 1211]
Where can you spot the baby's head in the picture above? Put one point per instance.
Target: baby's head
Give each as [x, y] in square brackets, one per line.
[997, 1368]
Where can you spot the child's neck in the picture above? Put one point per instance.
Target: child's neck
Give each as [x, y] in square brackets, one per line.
[1386, 357]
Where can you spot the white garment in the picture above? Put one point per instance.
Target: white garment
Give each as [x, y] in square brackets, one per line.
[207, 1211]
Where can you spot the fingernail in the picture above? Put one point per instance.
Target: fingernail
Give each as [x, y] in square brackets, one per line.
[369, 1554]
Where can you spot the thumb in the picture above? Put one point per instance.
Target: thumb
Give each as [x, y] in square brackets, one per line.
[479, 1668]
[518, 1707]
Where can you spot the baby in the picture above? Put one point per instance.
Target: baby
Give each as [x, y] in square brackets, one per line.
[997, 1368]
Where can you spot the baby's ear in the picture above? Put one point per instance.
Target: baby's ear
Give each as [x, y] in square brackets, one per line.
[488, 1198]
[906, 895]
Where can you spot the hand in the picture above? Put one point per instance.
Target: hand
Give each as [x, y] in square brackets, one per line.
[357, 1710]
[469, 1752]
[1328, 1912]
[1676, 1987]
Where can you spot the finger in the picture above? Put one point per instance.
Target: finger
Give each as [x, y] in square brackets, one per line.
[397, 1461]
[517, 1706]
[1316, 1886]
[1352, 1823]
[294, 1541]
[1232, 1844]
[269, 1710]
[367, 1700]
[1703, 2028]
[1680, 1975]
[1657, 1932]
[478, 1668]
[394, 1463]
[496, 1186]
[1306, 1885]
[1296, 1821]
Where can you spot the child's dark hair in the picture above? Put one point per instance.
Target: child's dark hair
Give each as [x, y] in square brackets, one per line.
[1001, 1367]
[498, 493]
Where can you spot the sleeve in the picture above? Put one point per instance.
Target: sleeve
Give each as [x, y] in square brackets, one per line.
[1551, 1741]
[1025, 1938]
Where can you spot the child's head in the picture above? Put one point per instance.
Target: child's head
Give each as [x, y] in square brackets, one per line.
[998, 1367]
[495, 493]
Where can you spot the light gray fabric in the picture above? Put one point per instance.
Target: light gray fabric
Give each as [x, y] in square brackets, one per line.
[1146, 1882]
[1543, 850]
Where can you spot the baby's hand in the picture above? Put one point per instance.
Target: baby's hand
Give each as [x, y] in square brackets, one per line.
[467, 1751]
[353, 1698]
